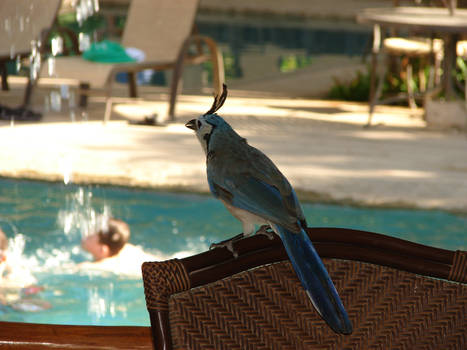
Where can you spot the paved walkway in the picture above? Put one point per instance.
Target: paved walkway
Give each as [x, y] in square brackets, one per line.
[319, 145]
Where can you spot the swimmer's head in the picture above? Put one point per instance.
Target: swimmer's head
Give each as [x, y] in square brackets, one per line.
[109, 240]
[115, 235]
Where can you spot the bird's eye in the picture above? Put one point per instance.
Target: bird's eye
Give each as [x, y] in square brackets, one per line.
[199, 124]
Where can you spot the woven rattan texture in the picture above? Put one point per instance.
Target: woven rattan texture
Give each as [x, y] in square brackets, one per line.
[459, 267]
[266, 308]
[162, 279]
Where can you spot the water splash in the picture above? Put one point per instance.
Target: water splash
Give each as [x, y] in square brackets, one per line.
[7, 26]
[18, 63]
[175, 230]
[51, 66]
[95, 3]
[97, 306]
[65, 92]
[22, 265]
[55, 101]
[72, 106]
[56, 45]
[12, 51]
[79, 218]
[25, 264]
[21, 23]
[85, 9]
[46, 104]
[52, 260]
[101, 303]
[84, 41]
[16, 246]
[35, 60]
[67, 168]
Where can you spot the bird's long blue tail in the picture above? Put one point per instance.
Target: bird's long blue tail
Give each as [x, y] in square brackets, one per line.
[315, 279]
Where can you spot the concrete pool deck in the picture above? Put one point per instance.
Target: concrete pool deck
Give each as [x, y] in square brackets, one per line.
[320, 146]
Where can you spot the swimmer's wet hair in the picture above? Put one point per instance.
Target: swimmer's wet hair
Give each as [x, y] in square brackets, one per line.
[115, 235]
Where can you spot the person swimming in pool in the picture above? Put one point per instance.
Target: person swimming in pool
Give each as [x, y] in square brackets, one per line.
[18, 287]
[111, 250]
[12, 274]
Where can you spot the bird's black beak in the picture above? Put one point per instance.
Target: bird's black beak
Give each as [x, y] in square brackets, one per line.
[191, 124]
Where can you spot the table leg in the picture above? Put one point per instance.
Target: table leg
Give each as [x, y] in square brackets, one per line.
[449, 64]
[377, 38]
[4, 73]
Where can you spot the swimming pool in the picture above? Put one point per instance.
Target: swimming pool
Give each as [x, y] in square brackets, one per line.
[49, 218]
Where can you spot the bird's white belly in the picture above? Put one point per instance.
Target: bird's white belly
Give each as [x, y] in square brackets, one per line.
[248, 220]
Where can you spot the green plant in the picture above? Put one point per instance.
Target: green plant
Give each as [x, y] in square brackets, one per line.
[231, 69]
[291, 63]
[95, 23]
[461, 72]
[89, 25]
[358, 89]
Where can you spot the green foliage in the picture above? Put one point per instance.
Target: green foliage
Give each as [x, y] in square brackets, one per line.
[89, 25]
[291, 63]
[461, 72]
[233, 70]
[230, 69]
[207, 67]
[229, 65]
[358, 89]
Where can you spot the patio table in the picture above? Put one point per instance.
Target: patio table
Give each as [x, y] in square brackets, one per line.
[430, 20]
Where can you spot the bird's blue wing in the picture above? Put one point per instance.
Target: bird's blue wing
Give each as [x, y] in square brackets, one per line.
[251, 194]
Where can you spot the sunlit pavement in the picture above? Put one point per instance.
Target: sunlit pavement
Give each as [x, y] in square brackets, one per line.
[321, 146]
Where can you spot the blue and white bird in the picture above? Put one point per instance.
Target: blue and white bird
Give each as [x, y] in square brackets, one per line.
[255, 192]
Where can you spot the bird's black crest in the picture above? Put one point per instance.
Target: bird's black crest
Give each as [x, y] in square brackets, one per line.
[218, 101]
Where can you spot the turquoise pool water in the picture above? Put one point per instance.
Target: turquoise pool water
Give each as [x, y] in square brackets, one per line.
[45, 222]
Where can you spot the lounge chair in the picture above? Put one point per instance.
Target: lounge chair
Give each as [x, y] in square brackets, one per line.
[399, 295]
[162, 29]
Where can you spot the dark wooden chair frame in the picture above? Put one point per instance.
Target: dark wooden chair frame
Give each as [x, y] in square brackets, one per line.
[198, 270]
